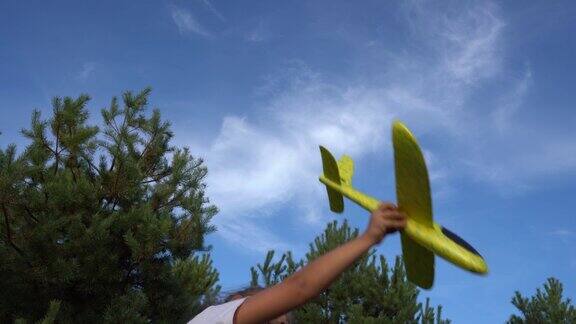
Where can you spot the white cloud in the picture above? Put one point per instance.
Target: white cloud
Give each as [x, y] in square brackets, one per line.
[250, 235]
[87, 70]
[250, 166]
[254, 167]
[186, 22]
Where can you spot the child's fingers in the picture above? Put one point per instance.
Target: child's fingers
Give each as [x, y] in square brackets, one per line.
[395, 224]
[386, 206]
[395, 215]
[402, 223]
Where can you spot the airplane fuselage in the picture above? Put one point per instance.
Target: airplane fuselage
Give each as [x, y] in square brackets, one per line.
[436, 239]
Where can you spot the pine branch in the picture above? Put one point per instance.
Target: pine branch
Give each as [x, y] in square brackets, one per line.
[56, 153]
[148, 144]
[91, 164]
[8, 231]
[42, 140]
[157, 177]
[30, 213]
[9, 236]
[112, 164]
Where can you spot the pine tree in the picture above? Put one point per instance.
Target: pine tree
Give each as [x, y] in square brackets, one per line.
[117, 237]
[367, 292]
[545, 307]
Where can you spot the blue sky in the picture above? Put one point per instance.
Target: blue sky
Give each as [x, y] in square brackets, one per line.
[255, 87]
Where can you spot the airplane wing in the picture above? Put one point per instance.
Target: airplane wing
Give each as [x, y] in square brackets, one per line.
[413, 195]
[412, 186]
[419, 263]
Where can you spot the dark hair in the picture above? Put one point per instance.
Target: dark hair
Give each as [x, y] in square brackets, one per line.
[244, 292]
[250, 291]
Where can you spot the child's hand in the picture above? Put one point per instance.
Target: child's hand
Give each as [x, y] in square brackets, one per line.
[386, 219]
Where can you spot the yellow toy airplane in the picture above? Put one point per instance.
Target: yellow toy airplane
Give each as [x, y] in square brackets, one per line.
[422, 237]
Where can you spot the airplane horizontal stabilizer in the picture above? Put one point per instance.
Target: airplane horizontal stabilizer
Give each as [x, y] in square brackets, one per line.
[346, 169]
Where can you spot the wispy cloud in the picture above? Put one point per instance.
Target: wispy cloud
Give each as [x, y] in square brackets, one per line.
[563, 232]
[213, 9]
[186, 22]
[493, 144]
[87, 70]
[511, 102]
[465, 37]
[472, 44]
[258, 34]
[566, 236]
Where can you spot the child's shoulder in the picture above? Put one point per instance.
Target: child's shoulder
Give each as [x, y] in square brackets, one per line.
[218, 314]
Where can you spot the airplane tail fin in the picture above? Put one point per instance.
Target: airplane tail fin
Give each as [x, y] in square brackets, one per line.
[346, 168]
[338, 172]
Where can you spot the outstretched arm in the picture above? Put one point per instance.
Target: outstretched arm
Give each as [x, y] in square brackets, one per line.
[315, 277]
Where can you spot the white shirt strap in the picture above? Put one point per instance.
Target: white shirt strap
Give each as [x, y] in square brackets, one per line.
[218, 314]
